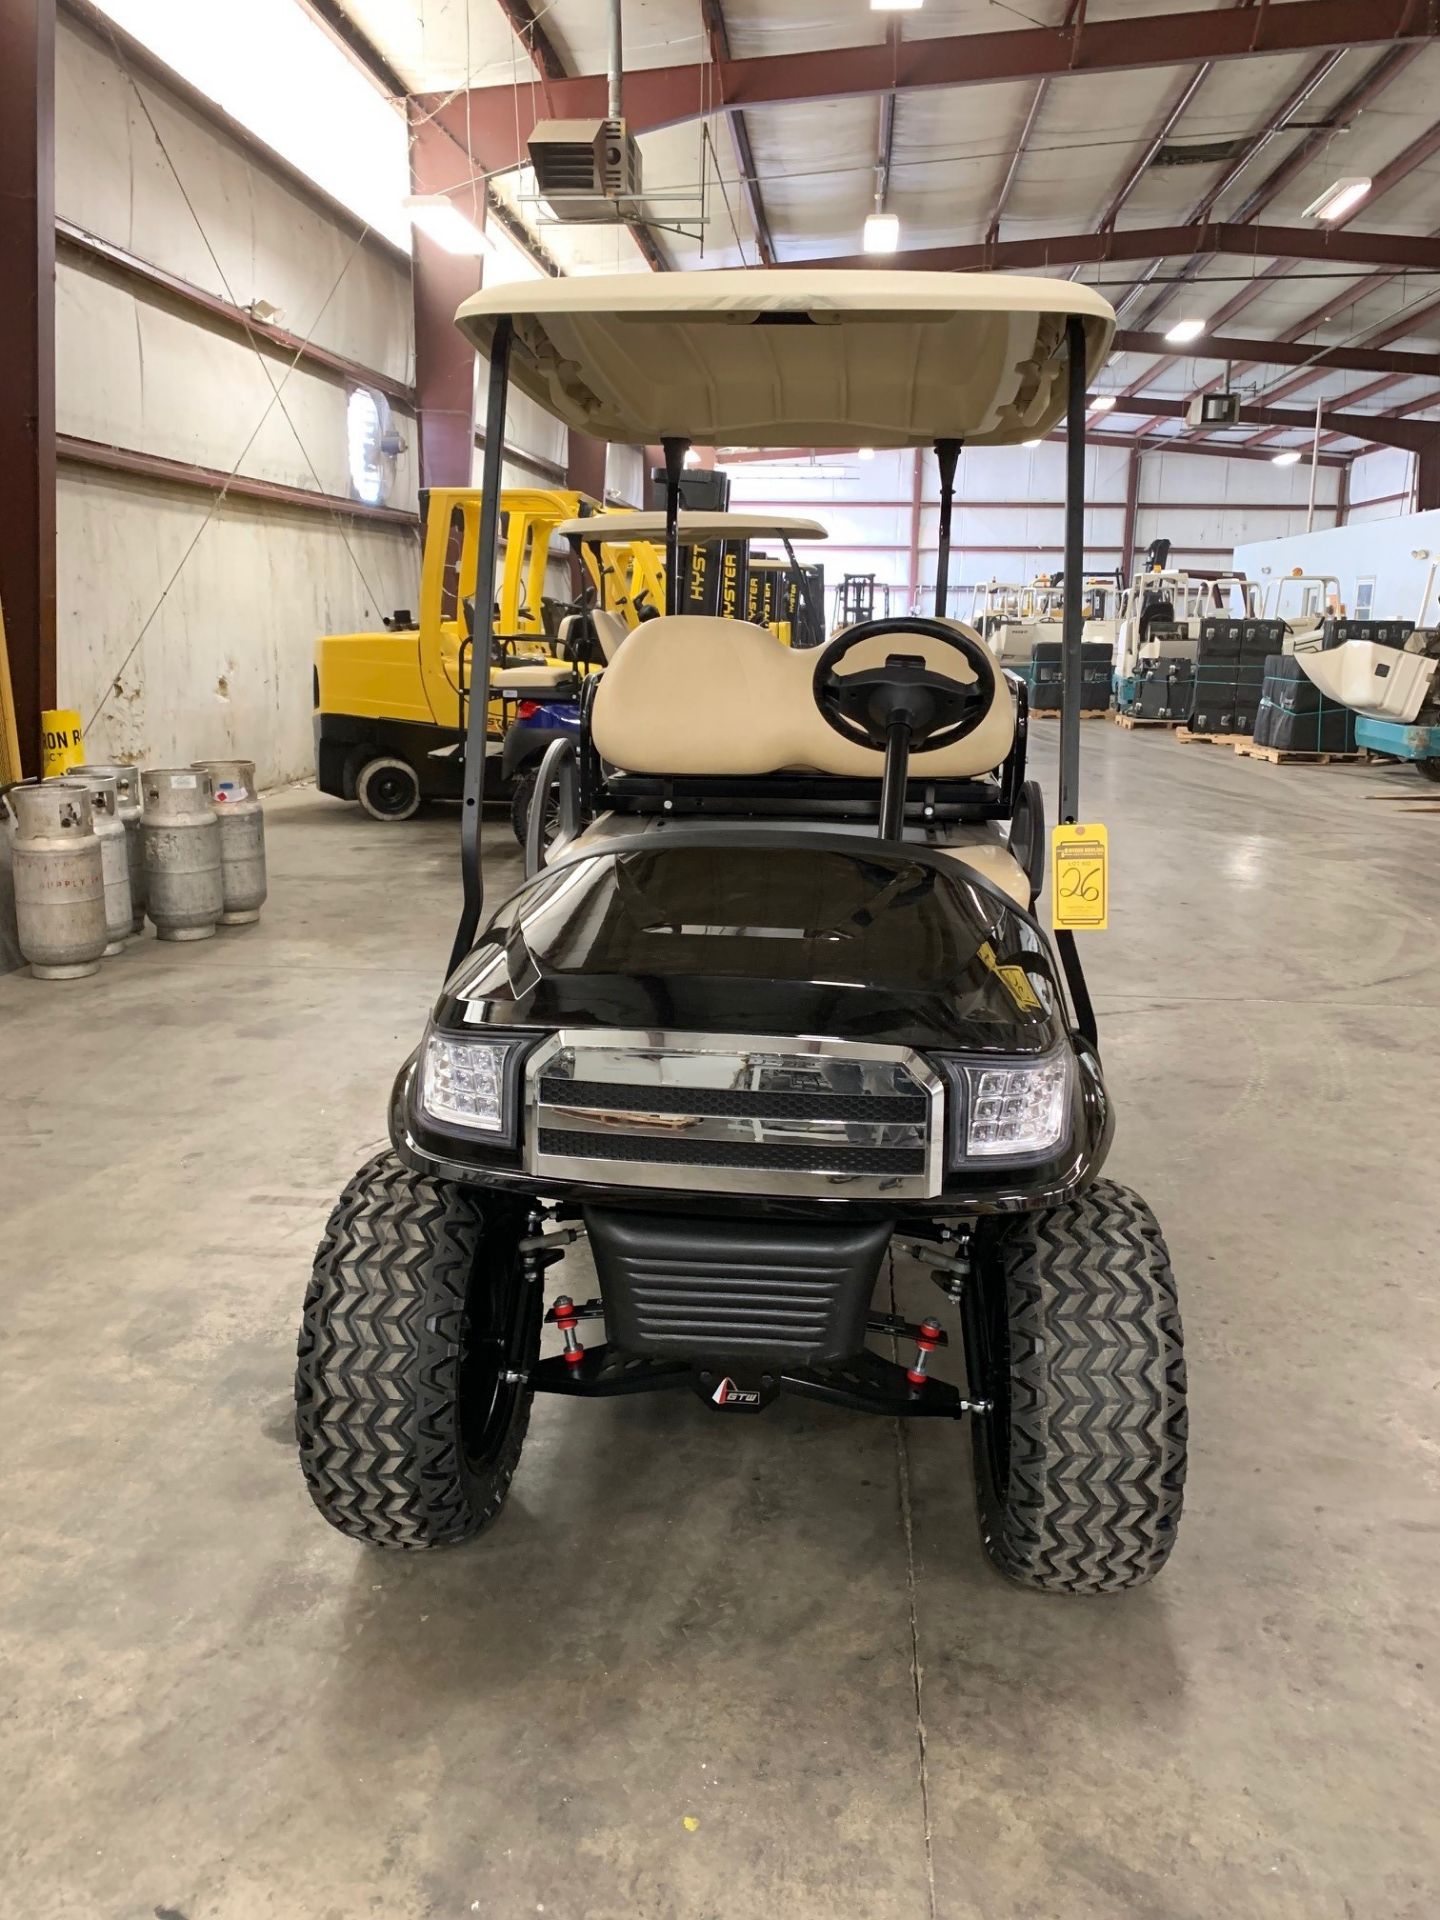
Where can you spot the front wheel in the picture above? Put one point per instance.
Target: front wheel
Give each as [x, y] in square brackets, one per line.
[1430, 768]
[1073, 1336]
[418, 1335]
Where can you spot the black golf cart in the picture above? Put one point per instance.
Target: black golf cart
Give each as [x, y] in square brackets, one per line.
[782, 1006]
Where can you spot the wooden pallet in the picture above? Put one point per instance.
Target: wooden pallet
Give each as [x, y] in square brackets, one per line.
[1289, 756]
[1086, 713]
[1215, 739]
[1130, 721]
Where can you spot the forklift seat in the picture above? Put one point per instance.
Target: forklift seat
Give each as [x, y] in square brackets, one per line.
[692, 694]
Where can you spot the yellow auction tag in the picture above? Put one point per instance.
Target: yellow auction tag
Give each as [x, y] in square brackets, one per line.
[1080, 879]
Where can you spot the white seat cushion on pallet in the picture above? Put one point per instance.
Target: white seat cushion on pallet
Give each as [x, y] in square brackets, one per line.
[692, 694]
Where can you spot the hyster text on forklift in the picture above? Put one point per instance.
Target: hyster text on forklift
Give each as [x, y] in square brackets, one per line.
[784, 1005]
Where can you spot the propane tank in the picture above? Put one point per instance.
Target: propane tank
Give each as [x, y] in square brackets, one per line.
[184, 895]
[59, 881]
[127, 806]
[114, 861]
[242, 839]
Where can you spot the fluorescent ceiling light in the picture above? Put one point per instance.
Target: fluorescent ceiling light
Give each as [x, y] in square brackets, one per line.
[802, 473]
[1340, 199]
[866, 453]
[440, 220]
[1185, 331]
[1102, 403]
[1286, 459]
[882, 232]
[896, 6]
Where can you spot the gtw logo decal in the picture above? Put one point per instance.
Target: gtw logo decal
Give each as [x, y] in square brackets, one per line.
[727, 1394]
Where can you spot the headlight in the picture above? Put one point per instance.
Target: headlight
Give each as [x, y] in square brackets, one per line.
[468, 1083]
[1011, 1111]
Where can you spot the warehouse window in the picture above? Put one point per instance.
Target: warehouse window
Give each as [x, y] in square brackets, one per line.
[367, 432]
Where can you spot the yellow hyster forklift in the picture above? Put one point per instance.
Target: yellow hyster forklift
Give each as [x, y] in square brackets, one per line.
[389, 706]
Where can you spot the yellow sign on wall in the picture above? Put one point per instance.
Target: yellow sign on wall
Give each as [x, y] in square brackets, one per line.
[1080, 879]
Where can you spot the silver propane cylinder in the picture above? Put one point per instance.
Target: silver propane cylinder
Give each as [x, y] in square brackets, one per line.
[180, 835]
[127, 805]
[59, 881]
[242, 838]
[114, 859]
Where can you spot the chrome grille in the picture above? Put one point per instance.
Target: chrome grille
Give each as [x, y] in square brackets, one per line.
[734, 1113]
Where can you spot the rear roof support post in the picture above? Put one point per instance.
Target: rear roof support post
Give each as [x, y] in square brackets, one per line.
[478, 711]
[947, 458]
[1074, 575]
[674, 451]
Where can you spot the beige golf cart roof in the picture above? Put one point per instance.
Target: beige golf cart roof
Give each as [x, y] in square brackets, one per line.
[694, 527]
[779, 356]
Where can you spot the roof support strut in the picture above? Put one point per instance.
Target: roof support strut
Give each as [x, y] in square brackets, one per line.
[477, 721]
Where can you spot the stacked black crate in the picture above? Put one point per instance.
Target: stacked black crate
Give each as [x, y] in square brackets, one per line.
[1295, 717]
[1097, 666]
[1165, 690]
[1384, 633]
[1047, 675]
[1230, 673]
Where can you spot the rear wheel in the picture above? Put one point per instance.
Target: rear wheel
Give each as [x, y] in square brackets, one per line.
[1073, 1335]
[388, 789]
[408, 1412]
[522, 799]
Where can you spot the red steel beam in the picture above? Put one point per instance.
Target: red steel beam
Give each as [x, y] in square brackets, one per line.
[533, 37]
[501, 116]
[1381, 74]
[1338, 246]
[445, 381]
[712, 14]
[1404, 163]
[1027, 127]
[1287, 353]
[27, 352]
[744, 456]
[1274, 123]
[181, 473]
[272, 339]
[1383, 428]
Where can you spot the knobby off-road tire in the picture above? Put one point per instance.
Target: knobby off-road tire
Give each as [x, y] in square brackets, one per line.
[1073, 1332]
[408, 1431]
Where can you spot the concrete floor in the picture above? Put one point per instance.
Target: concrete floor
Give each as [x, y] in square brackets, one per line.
[761, 1667]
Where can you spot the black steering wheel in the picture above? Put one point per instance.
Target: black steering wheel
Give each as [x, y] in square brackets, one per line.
[865, 707]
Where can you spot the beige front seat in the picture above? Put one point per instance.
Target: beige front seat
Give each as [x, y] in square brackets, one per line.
[691, 694]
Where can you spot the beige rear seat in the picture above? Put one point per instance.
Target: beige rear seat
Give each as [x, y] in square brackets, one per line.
[691, 694]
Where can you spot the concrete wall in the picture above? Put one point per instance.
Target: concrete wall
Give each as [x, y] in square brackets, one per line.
[1393, 554]
[234, 592]
[1009, 518]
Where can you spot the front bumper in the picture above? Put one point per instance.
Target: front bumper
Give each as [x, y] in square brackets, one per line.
[971, 1191]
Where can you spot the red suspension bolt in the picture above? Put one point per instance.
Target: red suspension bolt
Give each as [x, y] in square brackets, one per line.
[926, 1341]
[567, 1320]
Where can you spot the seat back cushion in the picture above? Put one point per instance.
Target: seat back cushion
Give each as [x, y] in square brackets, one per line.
[691, 694]
[610, 630]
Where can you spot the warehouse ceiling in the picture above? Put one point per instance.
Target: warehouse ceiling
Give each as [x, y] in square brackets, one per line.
[982, 130]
